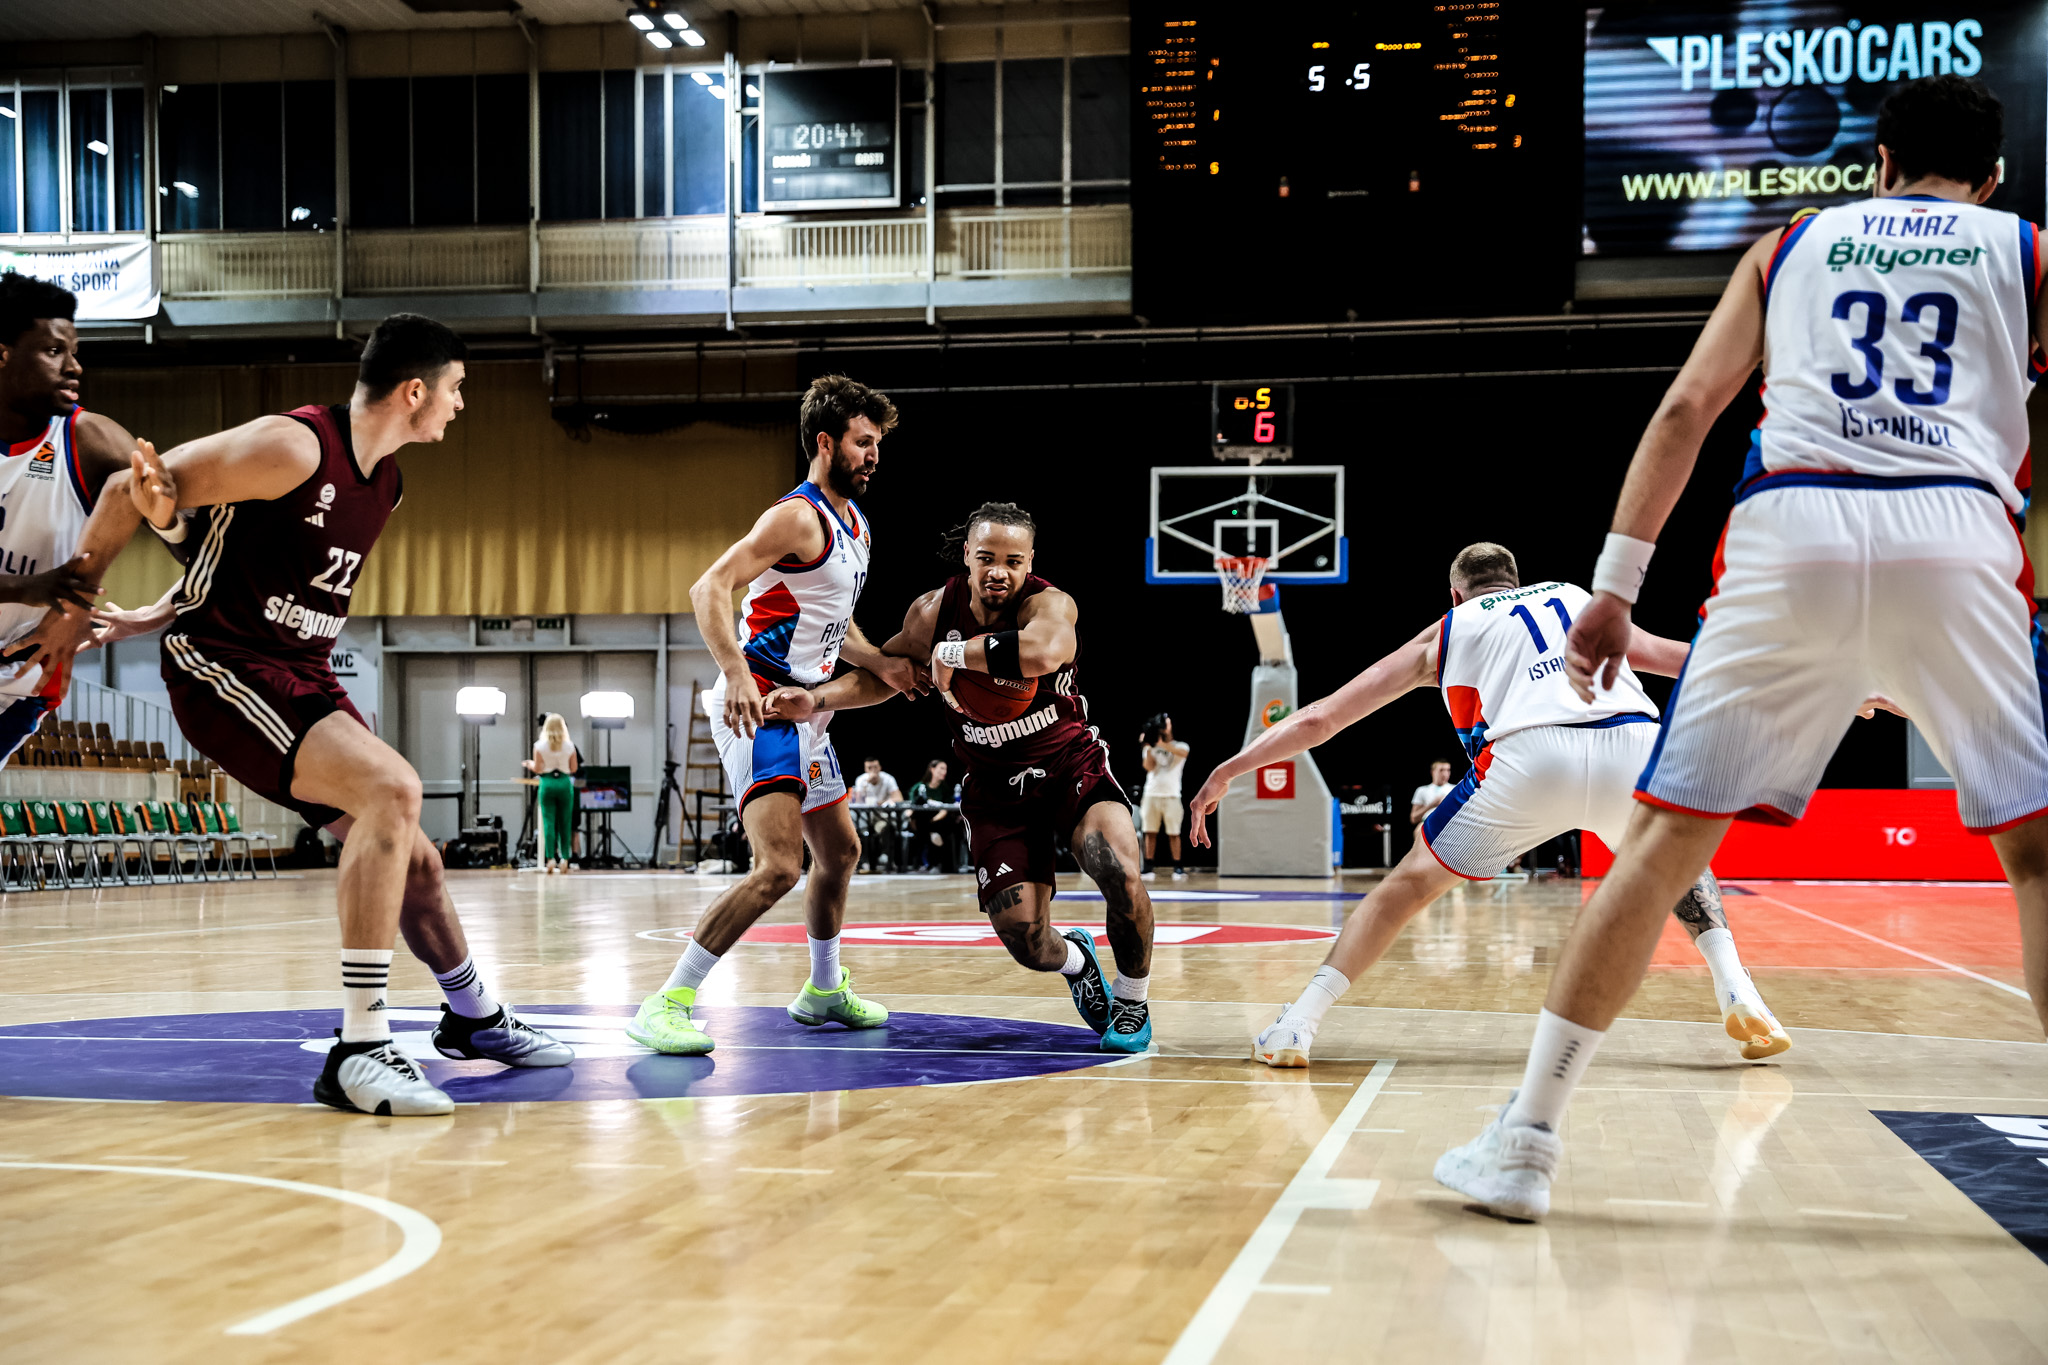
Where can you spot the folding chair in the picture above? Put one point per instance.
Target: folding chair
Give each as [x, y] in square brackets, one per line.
[25, 848]
[75, 819]
[106, 819]
[45, 829]
[164, 824]
[229, 827]
[135, 820]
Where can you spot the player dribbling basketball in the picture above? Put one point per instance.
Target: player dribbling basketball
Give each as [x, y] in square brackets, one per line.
[1003, 648]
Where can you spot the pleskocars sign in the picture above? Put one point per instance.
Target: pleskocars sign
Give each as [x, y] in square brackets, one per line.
[1705, 129]
[115, 280]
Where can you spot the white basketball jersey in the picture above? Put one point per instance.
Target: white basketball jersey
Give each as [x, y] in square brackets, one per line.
[43, 507]
[1500, 663]
[797, 615]
[1898, 343]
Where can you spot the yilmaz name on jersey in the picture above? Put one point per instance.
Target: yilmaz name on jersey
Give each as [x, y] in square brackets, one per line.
[1884, 260]
[297, 616]
[1859, 425]
[995, 736]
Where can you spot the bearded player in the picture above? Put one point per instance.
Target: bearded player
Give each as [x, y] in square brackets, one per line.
[298, 502]
[803, 563]
[1036, 770]
[1543, 762]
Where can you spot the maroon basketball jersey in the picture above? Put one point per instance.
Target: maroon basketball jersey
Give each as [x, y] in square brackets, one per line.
[1056, 724]
[275, 577]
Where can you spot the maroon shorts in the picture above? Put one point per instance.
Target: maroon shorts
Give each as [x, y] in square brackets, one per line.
[248, 713]
[1016, 815]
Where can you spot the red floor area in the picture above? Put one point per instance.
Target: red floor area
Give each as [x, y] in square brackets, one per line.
[1971, 927]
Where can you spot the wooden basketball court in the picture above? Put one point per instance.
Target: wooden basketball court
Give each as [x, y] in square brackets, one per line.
[974, 1183]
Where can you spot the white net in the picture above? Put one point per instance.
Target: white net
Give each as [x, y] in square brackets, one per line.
[1241, 576]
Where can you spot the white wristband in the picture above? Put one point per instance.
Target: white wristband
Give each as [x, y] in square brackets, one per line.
[951, 653]
[1623, 562]
[175, 533]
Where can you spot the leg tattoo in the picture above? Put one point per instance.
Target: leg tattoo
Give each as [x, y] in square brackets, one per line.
[1129, 938]
[1031, 942]
[1700, 908]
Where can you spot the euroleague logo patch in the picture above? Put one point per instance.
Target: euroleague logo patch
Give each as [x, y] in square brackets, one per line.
[817, 772]
[978, 934]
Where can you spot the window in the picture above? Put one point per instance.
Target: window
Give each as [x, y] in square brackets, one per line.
[698, 142]
[571, 145]
[436, 151]
[1035, 131]
[71, 157]
[249, 156]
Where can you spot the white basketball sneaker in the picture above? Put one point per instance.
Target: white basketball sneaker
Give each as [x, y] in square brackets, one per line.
[1507, 1169]
[1285, 1042]
[1749, 1021]
[376, 1078]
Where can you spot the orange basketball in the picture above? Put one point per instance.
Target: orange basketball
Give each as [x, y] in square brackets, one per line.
[991, 700]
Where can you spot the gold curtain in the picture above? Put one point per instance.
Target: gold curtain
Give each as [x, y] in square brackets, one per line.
[509, 515]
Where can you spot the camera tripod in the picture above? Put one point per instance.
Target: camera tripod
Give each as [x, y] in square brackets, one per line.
[669, 787]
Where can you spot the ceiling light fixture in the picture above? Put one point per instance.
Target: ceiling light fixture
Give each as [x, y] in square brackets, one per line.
[700, 78]
[692, 37]
[97, 146]
[640, 21]
[674, 20]
[660, 40]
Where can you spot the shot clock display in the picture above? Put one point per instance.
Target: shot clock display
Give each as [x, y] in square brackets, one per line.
[1252, 421]
[829, 138]
[1332, 161]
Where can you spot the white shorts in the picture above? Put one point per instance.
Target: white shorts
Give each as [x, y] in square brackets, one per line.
[1827, 594]
[1536, 784]
[1162, 815]
[789, 756]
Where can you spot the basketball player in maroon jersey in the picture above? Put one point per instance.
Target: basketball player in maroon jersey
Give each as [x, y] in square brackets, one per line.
[297, 502]
[1029, 780]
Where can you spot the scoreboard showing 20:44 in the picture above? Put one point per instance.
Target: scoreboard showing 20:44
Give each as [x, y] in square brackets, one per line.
[830, 138]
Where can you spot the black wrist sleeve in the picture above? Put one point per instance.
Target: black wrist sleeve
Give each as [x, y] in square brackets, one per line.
[1002, 655]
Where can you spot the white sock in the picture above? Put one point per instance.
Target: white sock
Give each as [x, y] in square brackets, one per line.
[824, 962]
[1717, 946]
[691, 968]
[1557, 1059]
[1322, 991]
[1131, 987]
[466, 992]
[365, 973]
[1076, 960]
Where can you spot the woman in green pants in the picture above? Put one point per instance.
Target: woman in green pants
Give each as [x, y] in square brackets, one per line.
[554, 761]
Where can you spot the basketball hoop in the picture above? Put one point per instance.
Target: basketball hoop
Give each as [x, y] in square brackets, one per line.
[1241, 576]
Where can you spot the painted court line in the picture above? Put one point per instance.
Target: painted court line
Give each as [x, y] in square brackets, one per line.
[1896, 947]
[1854, 1213]
[167, 933]
[1660, 1203]
[422, 1237]
[781, 1170]
[1311, 1188]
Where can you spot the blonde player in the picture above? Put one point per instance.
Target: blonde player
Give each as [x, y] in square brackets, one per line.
[1543, 762]
[1871, 547]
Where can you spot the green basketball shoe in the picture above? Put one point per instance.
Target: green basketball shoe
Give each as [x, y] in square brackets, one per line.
[813, 1007]
[664, 1024]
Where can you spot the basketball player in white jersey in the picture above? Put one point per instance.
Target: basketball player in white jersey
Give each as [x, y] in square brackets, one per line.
[1872, 547]
[804, 561]
[1543, 762]
[58, 457]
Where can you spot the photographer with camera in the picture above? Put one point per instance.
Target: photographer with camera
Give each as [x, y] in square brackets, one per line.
[1165, 756]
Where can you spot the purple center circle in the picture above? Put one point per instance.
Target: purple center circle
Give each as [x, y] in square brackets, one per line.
[262, 1057]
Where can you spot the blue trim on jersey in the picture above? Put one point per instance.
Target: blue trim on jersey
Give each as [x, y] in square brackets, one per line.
[778, 752]
[20, 720]
[817, 498]
[1447, 809]
[1753, 463]
[1671, 704]
[1792, 235]
[1625, 718]
[1820, 478]
[77, 471]
[770, 648]
[1472, 741]
[1443, 649]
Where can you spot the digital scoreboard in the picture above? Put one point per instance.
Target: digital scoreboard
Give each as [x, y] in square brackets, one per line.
[1331, 161]
[1252, 421]
[830, 138]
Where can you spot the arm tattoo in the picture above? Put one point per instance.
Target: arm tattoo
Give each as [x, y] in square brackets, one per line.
[1700, 908]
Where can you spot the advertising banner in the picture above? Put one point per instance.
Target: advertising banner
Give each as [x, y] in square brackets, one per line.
[114, 279]
[1709, 124]
[1882, 834]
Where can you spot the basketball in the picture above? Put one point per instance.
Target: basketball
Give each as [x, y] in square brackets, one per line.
[991, 700]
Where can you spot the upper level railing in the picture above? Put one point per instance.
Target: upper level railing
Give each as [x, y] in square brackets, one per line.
[658, 253]
[125, 715]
